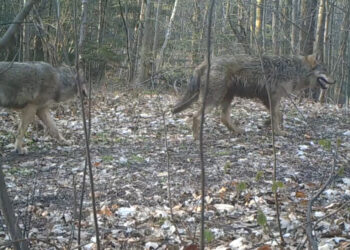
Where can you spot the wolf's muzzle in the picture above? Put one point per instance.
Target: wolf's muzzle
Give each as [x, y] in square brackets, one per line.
[324, 81]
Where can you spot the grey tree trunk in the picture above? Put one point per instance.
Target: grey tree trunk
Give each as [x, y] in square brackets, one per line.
[144, 65]
[155, 39]
[307, 36]
[26, 38]
[259, 18]
[83, 26]
[9, 215]
[342, 50]
[252, 20]
[16, 23]
[167, 36]
[101, 20]
[318, 47]
[294, 32]
[275, 28]
[195, 42]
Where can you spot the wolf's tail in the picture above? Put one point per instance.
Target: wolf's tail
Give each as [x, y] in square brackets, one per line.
[192, 91]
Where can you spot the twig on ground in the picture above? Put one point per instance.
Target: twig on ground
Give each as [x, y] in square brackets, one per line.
[312, 241]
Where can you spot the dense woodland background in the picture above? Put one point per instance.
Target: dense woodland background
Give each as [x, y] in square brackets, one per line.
[159, 41]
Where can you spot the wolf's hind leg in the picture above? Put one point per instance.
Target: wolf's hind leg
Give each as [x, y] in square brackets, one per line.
[44, 115]
[277, 118]
[26, 117]
[197, 120]
[225, 114]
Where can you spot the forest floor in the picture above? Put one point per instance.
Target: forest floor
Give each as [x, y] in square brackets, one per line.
[134, 173]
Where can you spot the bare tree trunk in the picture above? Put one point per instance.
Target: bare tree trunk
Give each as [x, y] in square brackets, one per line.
[326, 36]
[252, 21]
[286, 10]
[16, 23]
[83, 26]
[259, 17]
[318, 47]
[307, 37]
[343, 50]
[294, 33]
[155, 39]
[9, 215]
[195, 43]
[138, 34]
[239, 30]
[144, 65]
[167, 36]
[26, 38]
[263, 31]
[275, 28]
[101, 20]
[319, 43]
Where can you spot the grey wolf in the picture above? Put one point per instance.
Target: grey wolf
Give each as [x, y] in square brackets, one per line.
[31, 87]
[251, 77]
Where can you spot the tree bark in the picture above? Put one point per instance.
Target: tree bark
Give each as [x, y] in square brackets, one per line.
[307, 37]
[155, 39]
[195, 43]
[252, 20]
[342, 50]
[259, 17]
[16, 23]
[83, 26]
[294, 33]
[26, 38]
[145, 56]
[167, 36]
[9, 215]
[275, 45]
[286, 10]
[101, 20]
[318, 47]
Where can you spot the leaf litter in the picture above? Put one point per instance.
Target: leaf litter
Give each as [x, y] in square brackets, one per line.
[129, 161]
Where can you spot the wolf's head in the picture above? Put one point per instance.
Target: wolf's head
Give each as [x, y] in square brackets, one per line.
[319, 75]
[69, 82]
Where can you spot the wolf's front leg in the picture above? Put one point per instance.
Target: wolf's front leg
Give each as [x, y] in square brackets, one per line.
[26, 117]
[44, 115]
[226, 117]
[277, 120]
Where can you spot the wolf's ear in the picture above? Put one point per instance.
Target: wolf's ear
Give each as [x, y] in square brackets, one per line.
[313, 59]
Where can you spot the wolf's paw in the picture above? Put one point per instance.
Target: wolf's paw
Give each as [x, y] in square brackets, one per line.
[195, 136]
[267, 122]
[21, 150]
[65, 142]
[281, 133]
[238, 131]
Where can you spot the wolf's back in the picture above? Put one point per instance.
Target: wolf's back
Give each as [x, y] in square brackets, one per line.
[21, 83]
[192, 91]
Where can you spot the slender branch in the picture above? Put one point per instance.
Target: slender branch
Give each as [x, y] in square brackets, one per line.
[86, 134]
[202, 238]
[310, 236]
[46, 241]
[9, 215]
[126, 32]
[268, 89]
[15, 24]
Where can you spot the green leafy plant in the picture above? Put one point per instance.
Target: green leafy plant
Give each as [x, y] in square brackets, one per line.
[208, 235]
[325, 143]
[261, 218]
[276, 185]
[241, 186]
